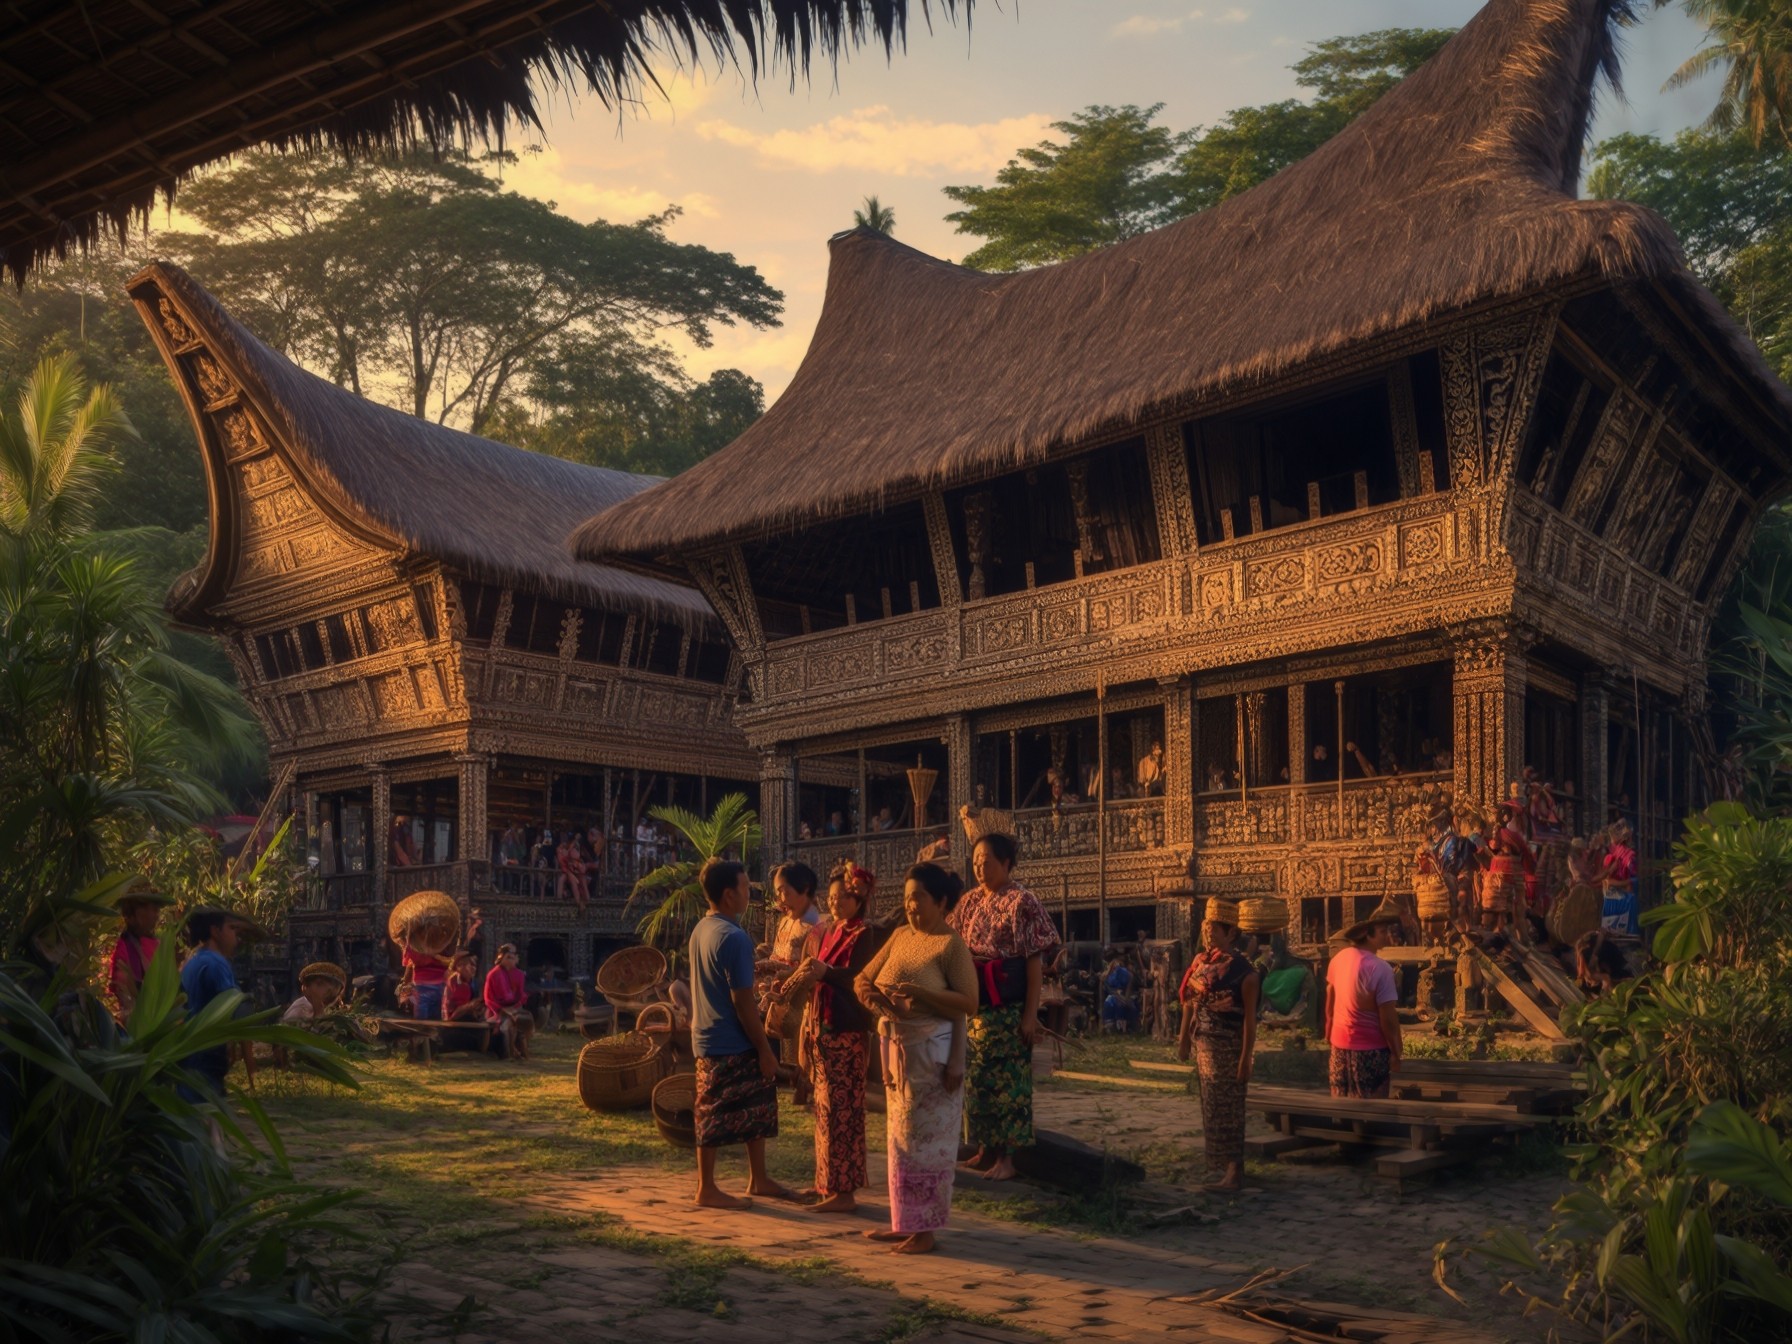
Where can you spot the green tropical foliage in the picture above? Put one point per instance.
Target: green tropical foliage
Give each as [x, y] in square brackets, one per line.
[876, 216]
[54, 454]
[125, 1216]
[1681, 1227]
[731, 830]
[1750, 42]
[1117, 173]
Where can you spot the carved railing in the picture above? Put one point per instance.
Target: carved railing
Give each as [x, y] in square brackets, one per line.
[1074, 830]
[339, 891]
[887, 853]
[460, 878]
[1389, 808]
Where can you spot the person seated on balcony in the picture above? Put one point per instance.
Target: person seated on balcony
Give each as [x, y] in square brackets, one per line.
[1218, 780]
[594, 846]
[401, 847]
[506, 1000]
[1151, 771]
[1321, 768]
[883, 821]
[1118, 788]
[805, 831]
[572, 872]
[513, 846]
[836, 824]
[1363, 763]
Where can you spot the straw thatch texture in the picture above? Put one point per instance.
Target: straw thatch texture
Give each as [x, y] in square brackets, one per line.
[490, 511]
[1454, 190]
[107, 103]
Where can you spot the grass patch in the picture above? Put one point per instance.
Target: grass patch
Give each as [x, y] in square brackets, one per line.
[913, 1319]
[1107, 1211]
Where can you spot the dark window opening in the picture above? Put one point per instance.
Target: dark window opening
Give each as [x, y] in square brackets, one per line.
[1552, 748]
[1724, 542]
[535, 625]
[480, 603]
[1569, 405]
[1394, 723]
[600, 636]
[876, 566]
[1427, 375]
[1262, 717]
[709, 661]
[1097, 507]
[663, 646]
[311, 645]
[1059, 764]
[342, 650]
[425, 595]
[1277, 468]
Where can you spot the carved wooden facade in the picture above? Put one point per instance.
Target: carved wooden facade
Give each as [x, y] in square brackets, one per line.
[387, 675]
[1518, 607]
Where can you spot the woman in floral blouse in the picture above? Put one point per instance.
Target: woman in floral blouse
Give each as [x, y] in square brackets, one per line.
[1009, 935]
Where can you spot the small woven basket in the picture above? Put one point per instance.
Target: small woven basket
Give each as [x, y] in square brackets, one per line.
[620, 1072]
[1262, 914]
[1575, 913]
[630, 978]
[1432, 894]
[675, 1110]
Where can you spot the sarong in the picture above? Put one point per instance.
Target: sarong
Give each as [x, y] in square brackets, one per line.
[998, 1081]
[735, 1102]
[840, 1059]
[1618, 912]
[1222, 1100]
[922, 1122]
[1360, 1073]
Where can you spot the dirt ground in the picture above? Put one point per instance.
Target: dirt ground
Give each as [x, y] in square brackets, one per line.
[519, 1216]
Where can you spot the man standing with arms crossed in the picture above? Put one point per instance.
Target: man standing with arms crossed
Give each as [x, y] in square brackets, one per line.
[737, 1069]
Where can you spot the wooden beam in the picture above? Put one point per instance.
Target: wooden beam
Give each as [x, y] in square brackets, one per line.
[1513, 993]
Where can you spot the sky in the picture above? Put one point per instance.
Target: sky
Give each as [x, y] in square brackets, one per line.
[769, 172]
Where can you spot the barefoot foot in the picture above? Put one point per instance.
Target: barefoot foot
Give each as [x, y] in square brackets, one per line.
[884, 1234]
[716, 1199]
[836, 1204]
[1002, 1171]
[771, 1190]
[919, 1244]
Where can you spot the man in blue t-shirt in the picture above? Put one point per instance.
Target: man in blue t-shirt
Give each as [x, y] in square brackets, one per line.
[212, 934]
[737, 1069]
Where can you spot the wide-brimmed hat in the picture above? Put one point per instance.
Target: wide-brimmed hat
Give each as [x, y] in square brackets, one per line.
[141, 892]
[324, 970]
[1388, 912]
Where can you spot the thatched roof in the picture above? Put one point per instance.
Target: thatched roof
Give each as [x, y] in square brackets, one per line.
[485, 509]
[1455, 189]
[106, 103]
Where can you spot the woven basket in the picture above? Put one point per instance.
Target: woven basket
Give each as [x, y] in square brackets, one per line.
[1575, 913]
[618, 1073]
[1433, 895]
[1262, 914]
[675, 1110]
[431, 918]
[630, 978]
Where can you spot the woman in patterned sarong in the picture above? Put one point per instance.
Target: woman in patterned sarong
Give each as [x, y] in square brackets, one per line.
[834, 1049]
[921, 984]
[1009, 935]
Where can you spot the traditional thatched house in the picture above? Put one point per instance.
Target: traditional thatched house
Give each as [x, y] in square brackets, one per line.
[426, 656]
[1394, 475]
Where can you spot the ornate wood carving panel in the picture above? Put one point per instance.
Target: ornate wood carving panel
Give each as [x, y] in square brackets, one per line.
[1170, 489]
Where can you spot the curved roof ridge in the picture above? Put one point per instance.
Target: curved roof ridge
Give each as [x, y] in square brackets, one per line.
[1454, 190]
[491, 510]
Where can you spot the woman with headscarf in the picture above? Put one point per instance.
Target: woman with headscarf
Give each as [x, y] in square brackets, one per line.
[1009, 935]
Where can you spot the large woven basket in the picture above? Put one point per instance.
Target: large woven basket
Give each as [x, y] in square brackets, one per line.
[1575, 913]
[1262, 914]
[1432, 894]
[430, 918]
[619, 1072]
[630, 978]
[675, 1110]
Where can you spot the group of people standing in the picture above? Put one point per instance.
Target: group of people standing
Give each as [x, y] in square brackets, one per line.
[949, 993]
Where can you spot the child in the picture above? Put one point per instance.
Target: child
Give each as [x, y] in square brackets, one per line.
[320, 989]
[737, 1069]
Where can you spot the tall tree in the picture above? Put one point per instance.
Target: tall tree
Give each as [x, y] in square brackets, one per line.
[426, 277]
[1105, 183]
[876, 216]
[1118, 174]
[1751, 42]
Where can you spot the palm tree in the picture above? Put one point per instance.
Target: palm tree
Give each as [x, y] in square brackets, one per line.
[731, 830]
[1751, 41]
[53, 452]
[876, 216]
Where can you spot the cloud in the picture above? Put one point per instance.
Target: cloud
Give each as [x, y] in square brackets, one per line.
[1149, 25]
[547, 176]
[873, 140]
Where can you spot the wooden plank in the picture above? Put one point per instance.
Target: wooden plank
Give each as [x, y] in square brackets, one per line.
[1117, 1080]
[1547, 975]
[1413, 956]
[1299, 1101]
[1502, 1069]
[1513, 993]
[1404, 1166]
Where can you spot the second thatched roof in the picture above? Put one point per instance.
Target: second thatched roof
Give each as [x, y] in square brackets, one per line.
[1454, 190]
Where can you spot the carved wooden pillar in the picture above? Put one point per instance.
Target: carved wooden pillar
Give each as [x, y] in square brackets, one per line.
[976, 530]
[1170, 491]
[474, 770]
[1297, 761]
[1488, 688]
[939, 541]
[1594, 786]
[960, 769]
[382, 831]
[1180, 761]
[777, 802]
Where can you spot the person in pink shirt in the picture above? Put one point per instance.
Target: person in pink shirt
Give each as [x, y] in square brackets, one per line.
[506, 998]
[1361, 1022]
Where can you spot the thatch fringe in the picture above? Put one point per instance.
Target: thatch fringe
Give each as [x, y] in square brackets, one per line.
[124, 103]
[485, 509]
[1454, 191]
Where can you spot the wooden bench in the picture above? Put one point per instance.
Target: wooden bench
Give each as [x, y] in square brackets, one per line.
[422, 1037]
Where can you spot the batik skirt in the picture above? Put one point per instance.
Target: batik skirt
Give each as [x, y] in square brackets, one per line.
[1360, 1073]
[735, 1102]
[1222, 1099]
[923, 1121]
[998, 1102]
[839, 1059]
